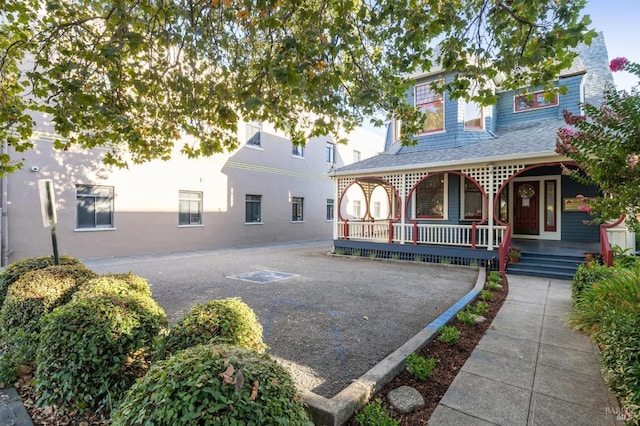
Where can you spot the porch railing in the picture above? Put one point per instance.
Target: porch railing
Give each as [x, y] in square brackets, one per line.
[414, 233]
[503, 249]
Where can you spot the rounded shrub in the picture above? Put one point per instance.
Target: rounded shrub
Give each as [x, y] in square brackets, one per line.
[213, 385]
[114, 284]
[13, 272]
[29, 298]
[227, 321]
[92, 349]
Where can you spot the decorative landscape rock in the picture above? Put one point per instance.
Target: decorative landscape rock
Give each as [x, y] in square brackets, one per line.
[479, 319]
[405, 399]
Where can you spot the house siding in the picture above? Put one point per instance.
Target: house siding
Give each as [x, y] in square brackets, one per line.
[146, 199]
[507, 115]
[573, 226]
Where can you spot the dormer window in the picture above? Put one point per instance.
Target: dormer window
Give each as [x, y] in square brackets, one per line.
[473, 119]
[431, 104]
[536, 100]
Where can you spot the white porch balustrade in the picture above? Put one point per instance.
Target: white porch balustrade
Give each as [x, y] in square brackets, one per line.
[439, 234]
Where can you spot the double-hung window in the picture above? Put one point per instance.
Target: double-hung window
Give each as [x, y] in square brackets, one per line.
[297, 209]
[94, 206]
[190, 208]
[472, 201]
[356, 156]
[429, 198]
[431, 103]
[331, 153]
[329, 209]
[253, 208]
[297, 150]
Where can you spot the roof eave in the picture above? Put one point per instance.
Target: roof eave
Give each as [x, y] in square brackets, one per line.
[447, 164]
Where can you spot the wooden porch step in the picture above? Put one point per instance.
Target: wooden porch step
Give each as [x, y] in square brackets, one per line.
[545, 265]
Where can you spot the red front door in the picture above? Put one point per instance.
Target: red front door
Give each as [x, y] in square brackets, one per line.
[526, 214]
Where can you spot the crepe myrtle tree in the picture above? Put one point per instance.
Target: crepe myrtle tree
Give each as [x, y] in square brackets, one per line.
[145, 75]
[605, 142]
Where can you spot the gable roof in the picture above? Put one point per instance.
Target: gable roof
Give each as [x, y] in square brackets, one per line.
[517, 141]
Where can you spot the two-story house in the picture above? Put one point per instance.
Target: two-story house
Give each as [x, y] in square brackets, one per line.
[267, 191]
[479, 181]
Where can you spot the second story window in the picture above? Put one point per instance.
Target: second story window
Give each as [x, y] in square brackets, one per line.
[297, 151]
[253, 134]
[431, 104]
[535, 100]
[356, 156]
[331, 153]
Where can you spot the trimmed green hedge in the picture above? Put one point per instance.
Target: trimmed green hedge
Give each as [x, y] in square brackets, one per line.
[13, 272]
[226, 321]
[29, 298]
[92, 349]
[114, 284]
[213, 385]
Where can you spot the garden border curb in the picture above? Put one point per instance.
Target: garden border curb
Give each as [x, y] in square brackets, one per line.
[338, 410]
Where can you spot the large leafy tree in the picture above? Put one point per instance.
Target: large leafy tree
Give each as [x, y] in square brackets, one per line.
[605, 142]
[141, 75]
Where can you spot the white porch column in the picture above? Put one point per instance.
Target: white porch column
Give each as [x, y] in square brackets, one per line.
[490, 196]
[336, 207]
[403, 205]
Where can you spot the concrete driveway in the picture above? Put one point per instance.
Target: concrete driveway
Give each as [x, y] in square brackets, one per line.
[330, 319]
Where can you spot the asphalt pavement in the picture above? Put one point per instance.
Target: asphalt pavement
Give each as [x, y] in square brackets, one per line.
[330, 319]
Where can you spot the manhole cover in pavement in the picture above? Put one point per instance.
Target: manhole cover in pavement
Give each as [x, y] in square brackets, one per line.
[262, 277]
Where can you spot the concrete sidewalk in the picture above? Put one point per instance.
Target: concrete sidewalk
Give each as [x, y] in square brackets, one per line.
[530, 368]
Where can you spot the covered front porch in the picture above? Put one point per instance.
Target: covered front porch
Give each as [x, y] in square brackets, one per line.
[468, 216]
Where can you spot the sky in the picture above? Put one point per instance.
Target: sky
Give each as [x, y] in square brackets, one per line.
[620, 23]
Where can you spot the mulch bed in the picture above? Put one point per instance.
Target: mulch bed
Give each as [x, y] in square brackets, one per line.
[450, 360]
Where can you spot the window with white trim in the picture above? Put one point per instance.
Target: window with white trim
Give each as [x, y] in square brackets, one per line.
[430, 197]
[297, 150]
[253, 134]
[356, 156]
[331, 153]
[431, 103]
[253, 208]
[472, 205]
[377, 210]
[356, 209]
[535, 100]
[190, 208]
[297, 209]
[330, 208]
[94, 206]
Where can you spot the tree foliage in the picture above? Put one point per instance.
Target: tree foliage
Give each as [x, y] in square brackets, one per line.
[143, 75]
[605, 142]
